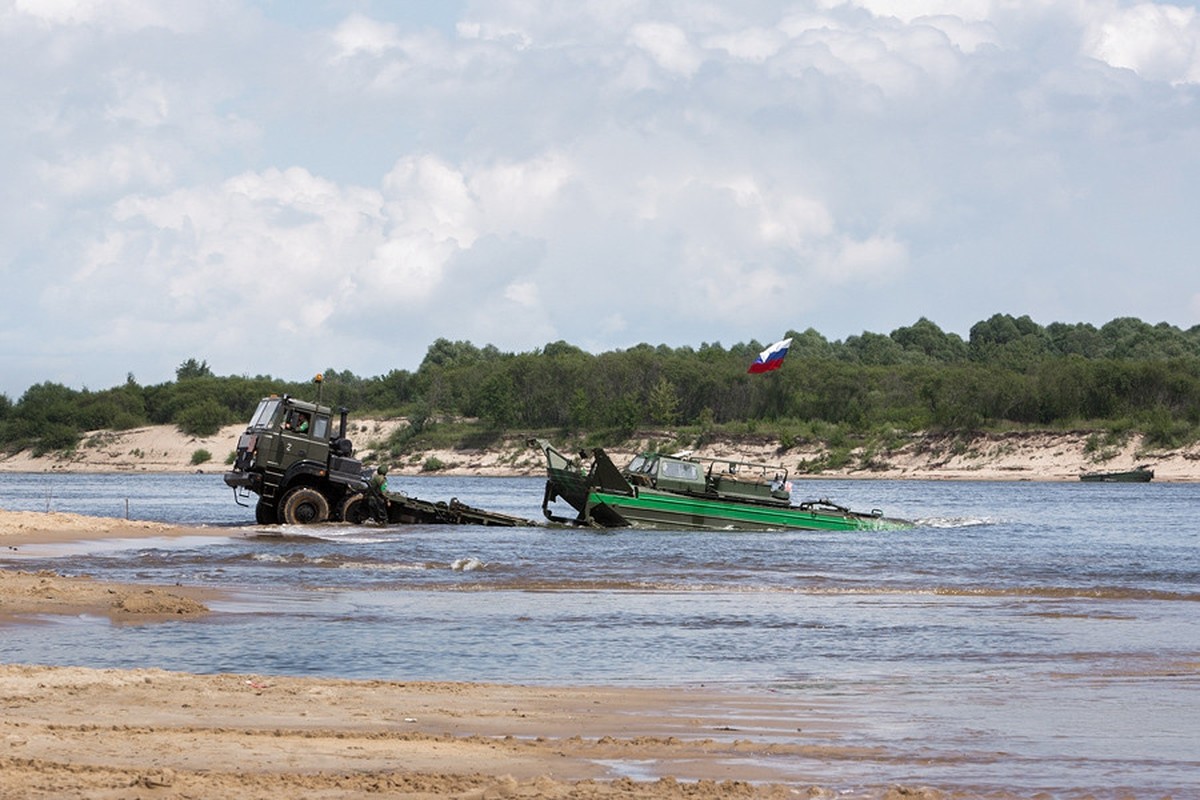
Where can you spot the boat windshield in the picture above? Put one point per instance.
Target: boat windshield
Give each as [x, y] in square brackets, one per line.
[642, 464]
[264, 413]
[684, 470]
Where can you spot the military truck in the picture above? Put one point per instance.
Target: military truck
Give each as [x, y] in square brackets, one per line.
[304, 473]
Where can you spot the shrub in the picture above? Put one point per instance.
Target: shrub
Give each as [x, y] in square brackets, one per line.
[54, 437]
[201, 419]
[1163, 430]
[201, 456]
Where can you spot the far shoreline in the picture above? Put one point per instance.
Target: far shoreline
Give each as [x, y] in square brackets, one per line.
[1048, 456]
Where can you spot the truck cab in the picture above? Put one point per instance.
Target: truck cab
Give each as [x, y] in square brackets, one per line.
[301, 469]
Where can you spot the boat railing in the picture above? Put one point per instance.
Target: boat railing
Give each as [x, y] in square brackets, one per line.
[747, 470]
[748, 479]
[734, 479]
[731, 466]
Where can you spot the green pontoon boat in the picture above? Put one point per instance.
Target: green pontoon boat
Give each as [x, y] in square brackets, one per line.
[682, 492]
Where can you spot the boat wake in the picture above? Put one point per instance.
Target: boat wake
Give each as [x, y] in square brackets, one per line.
[956, 522]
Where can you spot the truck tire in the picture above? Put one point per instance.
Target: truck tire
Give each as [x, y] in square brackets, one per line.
[266, 513]
[355, 509]
[304, 506]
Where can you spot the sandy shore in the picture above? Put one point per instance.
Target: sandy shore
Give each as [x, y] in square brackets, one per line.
[30, 593]
[1018, 455]
[74, 733]
[70, 732]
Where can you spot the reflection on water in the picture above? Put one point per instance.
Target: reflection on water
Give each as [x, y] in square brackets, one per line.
[1029, 636]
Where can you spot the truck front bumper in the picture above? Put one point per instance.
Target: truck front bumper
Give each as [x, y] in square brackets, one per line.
[243, 480]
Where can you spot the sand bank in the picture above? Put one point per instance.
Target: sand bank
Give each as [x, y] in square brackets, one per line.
[33, 593]
[30, 527]
[26, 594]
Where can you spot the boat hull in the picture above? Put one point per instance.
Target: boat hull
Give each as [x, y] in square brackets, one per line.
[652, 509]
[1131, 476]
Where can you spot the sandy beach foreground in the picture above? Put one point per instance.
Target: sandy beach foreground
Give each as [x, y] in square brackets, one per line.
[72, 732]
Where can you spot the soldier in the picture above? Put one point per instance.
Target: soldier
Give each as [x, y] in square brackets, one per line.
[377, 494]
[297, 421]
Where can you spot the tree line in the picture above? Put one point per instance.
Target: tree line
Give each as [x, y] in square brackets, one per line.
[1126, 374]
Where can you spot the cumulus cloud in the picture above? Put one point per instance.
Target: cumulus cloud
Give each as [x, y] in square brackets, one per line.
[878, 257]
[669, 46]
[1159, 42]
[753, 44]
[359, 34]
[111, 14]
[118, 166]
[430, 196]
[912, 10]
[213, 253]
[605, 173]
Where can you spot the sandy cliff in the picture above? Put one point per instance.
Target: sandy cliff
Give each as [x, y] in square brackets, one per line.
[1024, 455]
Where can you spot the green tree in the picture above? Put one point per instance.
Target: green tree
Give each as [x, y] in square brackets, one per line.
[1007, 341]
[445, 353]
[1131, 338]
[581, 410]
[663, 403]
[931, 341]
[496, 400]
[561, 349]
[1080, 339]
[875, 349]
[192, 369]
[809, 345]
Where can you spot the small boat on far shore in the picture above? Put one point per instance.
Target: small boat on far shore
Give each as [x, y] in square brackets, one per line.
[1140, 474]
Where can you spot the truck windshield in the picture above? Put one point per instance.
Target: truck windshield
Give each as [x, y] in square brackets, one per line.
[264, 413]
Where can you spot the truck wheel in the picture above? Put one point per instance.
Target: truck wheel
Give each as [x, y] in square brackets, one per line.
[266, 513]
[355, 509]
[304, 506]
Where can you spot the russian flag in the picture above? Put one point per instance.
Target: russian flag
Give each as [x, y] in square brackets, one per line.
[771, 358]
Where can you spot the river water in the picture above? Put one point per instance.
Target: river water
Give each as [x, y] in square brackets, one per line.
[1031, 637]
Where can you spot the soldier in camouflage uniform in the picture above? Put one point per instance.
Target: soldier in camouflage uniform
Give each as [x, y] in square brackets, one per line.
[377, 494]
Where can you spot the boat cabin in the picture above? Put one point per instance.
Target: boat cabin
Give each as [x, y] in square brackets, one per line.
[712, 477]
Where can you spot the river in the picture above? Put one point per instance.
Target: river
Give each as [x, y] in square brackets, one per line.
[1037, 637]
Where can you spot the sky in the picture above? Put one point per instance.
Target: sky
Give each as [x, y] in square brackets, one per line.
[281, 187]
